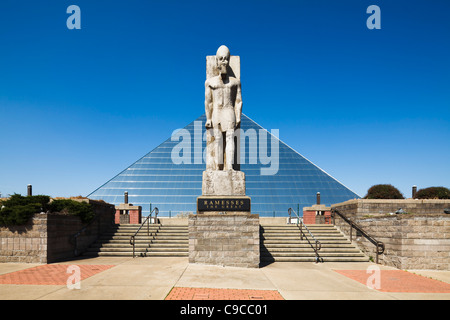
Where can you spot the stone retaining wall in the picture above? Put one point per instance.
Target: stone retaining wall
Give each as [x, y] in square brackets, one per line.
[26, 243]
[358, 208]
[46, 238]
[412, 241]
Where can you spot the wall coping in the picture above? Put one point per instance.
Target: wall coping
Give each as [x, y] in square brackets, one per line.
[127, 206]
[393, 201]
[317, 207]
[405, 216]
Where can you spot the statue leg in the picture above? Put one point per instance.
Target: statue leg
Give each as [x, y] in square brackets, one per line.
[218, 149]
[229, 149]
[210, 160]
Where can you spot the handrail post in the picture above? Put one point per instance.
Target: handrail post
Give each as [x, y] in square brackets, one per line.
[379, 246]
[132, 242]
[376, 258]
[351, 233]
[301, 231]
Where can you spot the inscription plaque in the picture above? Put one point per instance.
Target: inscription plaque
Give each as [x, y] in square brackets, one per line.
[223, 204]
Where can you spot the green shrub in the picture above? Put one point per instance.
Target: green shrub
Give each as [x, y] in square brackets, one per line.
[81, 209]
[383, 191]
[18, 209]
[433, 193]
[19, 200]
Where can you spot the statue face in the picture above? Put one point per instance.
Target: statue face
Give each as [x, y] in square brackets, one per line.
[222, 59]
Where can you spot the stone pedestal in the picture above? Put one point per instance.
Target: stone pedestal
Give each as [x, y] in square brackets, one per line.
[223, 183]
[224, 232]
[230, 239]
[223, 191]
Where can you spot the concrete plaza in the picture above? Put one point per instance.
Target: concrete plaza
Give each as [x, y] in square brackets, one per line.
[154, 278]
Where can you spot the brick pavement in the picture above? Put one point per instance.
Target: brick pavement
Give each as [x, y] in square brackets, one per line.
[398, 281]
[50, 274]
[181, 293]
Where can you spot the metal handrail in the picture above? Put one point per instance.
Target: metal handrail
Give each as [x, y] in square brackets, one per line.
[300, 224]
[379, 246]
[148, 219]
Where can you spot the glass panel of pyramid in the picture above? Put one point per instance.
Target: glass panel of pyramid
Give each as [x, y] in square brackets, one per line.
[157, 180]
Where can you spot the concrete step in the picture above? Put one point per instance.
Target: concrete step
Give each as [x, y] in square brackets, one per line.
[312, 254]
[306, 245]
[152, 226]
[297, 230]
[143, 235]
[282, 243]
[313, 259]
[139, 249]
[297, 236]
[142, 240]
[283, 229]
[142, 254]
[140, 245]
[160, 237]
[161, 241]
[322, 250]
[287, 228]
[293, 241]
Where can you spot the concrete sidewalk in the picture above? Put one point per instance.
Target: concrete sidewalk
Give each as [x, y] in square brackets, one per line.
[153, 279]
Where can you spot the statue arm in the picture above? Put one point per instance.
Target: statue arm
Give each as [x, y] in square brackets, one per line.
[238, 107]
[208, 105]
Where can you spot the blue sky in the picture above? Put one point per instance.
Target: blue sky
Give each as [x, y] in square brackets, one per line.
[367, 106]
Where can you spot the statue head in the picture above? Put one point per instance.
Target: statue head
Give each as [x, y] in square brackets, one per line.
[222, 59]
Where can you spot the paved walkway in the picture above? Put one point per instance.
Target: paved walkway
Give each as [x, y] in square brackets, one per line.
[174, 278]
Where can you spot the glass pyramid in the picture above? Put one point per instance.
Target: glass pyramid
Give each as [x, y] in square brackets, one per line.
[159, 179]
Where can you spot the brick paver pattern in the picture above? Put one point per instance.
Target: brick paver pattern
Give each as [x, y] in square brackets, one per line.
[182, 293]
[397, 281]
[50, 274]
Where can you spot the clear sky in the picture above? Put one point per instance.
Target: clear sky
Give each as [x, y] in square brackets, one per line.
[367, 106]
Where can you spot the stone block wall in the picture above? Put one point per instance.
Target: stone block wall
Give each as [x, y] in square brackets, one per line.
[412, 241]
[26, 243]
[224, 239]
[48, 238]
[380, 207]
[60, 229]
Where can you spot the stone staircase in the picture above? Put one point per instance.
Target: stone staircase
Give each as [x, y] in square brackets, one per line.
[164, 241]
[283, 244]
[280, 243]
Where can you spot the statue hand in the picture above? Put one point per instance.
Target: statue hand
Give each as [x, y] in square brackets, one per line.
[238, 123]
[208, 124]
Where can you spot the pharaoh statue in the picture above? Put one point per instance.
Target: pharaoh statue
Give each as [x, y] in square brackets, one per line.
[223, 107]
